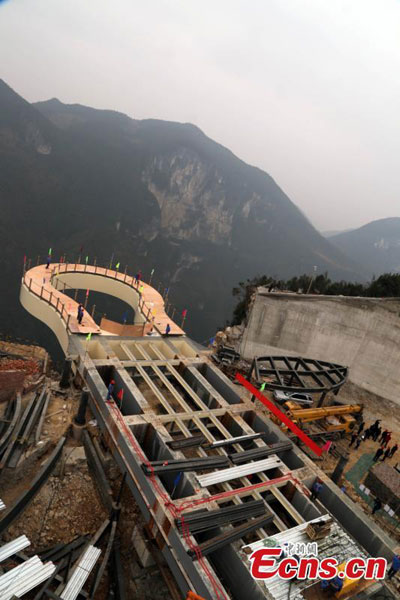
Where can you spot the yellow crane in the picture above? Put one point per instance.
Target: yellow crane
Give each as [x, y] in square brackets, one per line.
[336, 418]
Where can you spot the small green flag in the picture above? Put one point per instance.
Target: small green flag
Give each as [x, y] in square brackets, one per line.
[117, 266]
[86, 259]
[49, 251]
[89, 337]
[262, 388]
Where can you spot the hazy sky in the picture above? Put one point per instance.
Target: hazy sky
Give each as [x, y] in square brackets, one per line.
[308, 90]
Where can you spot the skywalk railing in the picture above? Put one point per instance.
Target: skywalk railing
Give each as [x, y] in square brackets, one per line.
[47, 296]
[132, 282]
[146, 309]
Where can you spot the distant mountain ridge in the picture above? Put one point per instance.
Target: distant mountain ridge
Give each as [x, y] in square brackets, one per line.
[376, 245]
[331, 232]
[152, 194]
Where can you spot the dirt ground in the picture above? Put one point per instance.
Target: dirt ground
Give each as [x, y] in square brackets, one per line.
[375, 407]
[68, 505]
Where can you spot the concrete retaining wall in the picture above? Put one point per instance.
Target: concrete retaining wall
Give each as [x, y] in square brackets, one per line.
[360, 333]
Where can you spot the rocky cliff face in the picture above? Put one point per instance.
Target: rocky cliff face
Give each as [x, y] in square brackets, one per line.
[191, 198]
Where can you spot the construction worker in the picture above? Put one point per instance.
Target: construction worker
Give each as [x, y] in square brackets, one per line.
[360, 427]
[167, 329]
[387, 439]
[334, 584]
[378, 453]
[395, 566]
[393, 450]
[110, 390]
[353, 438]
[360, 439]
[48, 261]
[316, 489]
[80, 307]
[383, 436]
[386, 454]
[376, 433]
[377, 505]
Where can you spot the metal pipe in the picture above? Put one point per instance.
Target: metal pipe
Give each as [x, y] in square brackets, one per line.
[13, 547]
[80, 418]
[238, 472]
[64, 382]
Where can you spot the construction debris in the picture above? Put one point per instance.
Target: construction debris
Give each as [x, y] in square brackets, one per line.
[194, 440]
[237, 472]
[208, 519]
[236, 533]
[81, 573]
[20, 505]
[24, 577]
[317, 530]
[243, 457]
[173, 466]
[13, 547]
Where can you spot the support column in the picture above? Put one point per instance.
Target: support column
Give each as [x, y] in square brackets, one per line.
[341, 463]
[80, 417]
[66, 374]
[79, 422]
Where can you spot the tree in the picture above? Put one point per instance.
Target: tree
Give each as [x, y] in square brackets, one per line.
[244, 292]
[387, 285]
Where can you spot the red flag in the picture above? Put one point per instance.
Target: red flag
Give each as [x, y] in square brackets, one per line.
[24, 258]
[87, 293]
[327, 446]
[120, 394]
[184, 312]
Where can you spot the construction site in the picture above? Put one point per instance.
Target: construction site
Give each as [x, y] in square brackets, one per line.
[154, 467]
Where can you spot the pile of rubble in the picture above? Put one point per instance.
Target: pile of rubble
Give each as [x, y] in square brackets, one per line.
[30, 367]
[65, 505]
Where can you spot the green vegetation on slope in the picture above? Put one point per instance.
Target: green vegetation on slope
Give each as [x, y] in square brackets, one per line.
[385, 286]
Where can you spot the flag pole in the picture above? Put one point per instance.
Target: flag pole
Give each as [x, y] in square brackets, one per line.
[184, 313]
[151, 276]
[88, 338]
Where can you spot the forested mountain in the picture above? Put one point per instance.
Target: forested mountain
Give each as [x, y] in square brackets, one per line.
[152, 194]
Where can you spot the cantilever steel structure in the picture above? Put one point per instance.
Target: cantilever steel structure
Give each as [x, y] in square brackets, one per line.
[172, 404]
